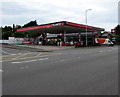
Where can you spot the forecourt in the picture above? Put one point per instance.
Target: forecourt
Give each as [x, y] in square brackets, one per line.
[80, 71]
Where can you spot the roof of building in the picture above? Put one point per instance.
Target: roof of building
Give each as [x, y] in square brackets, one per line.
[58, 27]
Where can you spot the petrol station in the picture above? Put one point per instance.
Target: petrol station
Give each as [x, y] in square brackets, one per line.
[63, 33]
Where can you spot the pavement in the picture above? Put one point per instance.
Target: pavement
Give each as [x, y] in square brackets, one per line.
[36, 48]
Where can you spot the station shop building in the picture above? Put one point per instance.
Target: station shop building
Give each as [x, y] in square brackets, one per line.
[62, 33]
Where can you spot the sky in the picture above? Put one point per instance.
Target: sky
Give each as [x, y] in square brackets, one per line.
[104, 13]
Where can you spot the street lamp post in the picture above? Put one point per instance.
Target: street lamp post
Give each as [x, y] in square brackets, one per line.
[86, 24]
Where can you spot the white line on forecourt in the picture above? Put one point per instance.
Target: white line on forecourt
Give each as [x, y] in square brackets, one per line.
[29, 61]
[1, 70]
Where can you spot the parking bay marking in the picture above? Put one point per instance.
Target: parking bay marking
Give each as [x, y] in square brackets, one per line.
[29, 61]
[38, 55]
[18, 58]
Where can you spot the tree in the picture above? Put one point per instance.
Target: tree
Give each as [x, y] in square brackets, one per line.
[18, 27]
[0, 32]
[7, 28]
[19, 34]
[5, 35]
[117, 29]
[31, 23]
[7, 32]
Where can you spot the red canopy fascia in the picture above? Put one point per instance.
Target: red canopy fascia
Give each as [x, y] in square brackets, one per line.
[63, 23]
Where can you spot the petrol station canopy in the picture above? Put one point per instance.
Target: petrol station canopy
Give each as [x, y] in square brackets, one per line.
[61, 27]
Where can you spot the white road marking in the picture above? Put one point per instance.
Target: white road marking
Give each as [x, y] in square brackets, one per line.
[26, 67]
[105, 51]
[19, 53]
[64, 60]
[13, 54]
[5, 52]
[29, 61]
[1, 70]
[101, 51]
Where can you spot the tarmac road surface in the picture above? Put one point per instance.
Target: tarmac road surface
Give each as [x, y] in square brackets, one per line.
[76, 71]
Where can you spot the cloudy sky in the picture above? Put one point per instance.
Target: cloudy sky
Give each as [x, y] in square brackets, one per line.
[104, 13]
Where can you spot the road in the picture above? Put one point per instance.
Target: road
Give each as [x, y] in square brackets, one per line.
[76, 71]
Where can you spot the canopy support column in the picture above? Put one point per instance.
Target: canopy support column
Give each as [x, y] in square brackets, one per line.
[65, 37]
[93, 38]
[79, 37]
